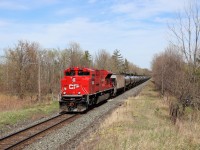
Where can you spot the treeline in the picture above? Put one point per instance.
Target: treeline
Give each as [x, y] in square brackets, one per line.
[176, 71]
[28, 70]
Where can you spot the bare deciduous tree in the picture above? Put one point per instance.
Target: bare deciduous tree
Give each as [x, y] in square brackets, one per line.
[76, 54]
[167, 68]
[102, 59]
[20, 72]
[186, 32]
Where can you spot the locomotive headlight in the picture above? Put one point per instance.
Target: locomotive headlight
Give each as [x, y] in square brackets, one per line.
[79, 93]
[64, 93]
[65, 88]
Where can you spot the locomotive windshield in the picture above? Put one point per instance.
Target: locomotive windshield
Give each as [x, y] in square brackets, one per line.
[70, 73]
[83, 73]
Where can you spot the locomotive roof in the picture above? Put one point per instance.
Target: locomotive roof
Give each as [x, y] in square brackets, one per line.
[79, 68]
[86, 69]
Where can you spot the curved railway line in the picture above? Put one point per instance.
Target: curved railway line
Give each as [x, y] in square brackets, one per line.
[24, 137]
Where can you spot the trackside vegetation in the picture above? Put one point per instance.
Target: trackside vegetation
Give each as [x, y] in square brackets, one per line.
[143, 122]
[176, 71]
[31, 112]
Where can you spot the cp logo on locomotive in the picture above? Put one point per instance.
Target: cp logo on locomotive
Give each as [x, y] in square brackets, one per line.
[73, 86]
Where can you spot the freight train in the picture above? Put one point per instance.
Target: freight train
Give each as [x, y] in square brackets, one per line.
[85, 87]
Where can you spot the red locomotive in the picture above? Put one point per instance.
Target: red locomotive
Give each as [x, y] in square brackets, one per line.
[84, 87]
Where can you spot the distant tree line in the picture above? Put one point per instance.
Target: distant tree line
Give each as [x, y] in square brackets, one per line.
[29, 70]
[176, 71]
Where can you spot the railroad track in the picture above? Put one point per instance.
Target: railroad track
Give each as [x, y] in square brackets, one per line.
[24, 137]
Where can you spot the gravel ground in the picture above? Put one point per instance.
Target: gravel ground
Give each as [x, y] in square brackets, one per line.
[71, 135]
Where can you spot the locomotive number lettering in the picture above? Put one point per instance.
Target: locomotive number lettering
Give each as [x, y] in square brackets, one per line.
[73, 86]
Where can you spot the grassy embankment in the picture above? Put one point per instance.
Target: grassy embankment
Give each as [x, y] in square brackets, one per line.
[144, 123]
[13, 110]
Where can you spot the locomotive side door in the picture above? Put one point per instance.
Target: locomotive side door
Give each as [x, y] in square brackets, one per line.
[93, 82]
[97, 83]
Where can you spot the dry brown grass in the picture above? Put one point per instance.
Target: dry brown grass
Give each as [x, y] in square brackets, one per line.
[143, 123]
[10, 103]
[14, 110]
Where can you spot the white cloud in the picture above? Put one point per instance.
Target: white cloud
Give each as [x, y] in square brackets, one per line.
[138, 40]
[124, 8]
[25, 5]
[147, 8]
[12, 5]
[4, 23]
[133, 42]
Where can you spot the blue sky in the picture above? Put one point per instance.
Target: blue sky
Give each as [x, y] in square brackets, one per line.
[138, 28]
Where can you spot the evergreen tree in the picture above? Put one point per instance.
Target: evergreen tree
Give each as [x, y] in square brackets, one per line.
[86, 59]
[126, 66]
[117, 62]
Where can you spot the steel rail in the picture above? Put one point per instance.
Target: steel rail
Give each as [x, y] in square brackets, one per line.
[15, 133]
[30, 137]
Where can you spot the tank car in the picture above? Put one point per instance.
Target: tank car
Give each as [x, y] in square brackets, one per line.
[127, 79]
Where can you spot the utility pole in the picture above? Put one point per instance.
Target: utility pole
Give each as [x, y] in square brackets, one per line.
[162, 90]
[4, 61]
[39, 76]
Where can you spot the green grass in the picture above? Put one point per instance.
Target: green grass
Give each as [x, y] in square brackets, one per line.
[15, 116]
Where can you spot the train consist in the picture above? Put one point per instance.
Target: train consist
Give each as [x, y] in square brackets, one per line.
[85, 87]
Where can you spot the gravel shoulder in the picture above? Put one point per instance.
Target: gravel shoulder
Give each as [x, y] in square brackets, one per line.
[71, 135]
